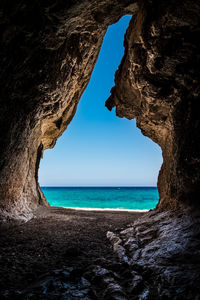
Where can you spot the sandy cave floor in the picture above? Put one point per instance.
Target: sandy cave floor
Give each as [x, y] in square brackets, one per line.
[46, 257]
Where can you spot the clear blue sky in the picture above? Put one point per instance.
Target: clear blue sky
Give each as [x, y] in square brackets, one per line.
[98, 148]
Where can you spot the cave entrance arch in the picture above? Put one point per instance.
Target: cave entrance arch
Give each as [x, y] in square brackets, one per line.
[48, 54]
[100, 150]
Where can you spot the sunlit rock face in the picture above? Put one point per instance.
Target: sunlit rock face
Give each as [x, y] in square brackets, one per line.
[158, 84]
[48, 51]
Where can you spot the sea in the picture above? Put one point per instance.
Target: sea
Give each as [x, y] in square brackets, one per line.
[136, 198]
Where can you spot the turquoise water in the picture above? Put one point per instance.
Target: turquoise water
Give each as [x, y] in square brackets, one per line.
[102, 197]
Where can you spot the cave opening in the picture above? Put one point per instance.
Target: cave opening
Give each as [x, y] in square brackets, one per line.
[49, 49]
[101, 156]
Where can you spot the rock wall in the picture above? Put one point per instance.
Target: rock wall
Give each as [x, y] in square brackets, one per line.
[47, 54]
[158, 84]
[162, 251]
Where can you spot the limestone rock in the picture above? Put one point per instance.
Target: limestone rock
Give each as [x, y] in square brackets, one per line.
[166, 256]
[47, 54]
[157, 83]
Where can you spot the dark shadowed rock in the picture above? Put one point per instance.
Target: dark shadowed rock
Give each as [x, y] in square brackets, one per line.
[48, 51]
[47, 54]
[158, 84]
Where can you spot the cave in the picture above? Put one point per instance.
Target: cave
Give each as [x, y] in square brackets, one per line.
[99, 149]
[48, 51]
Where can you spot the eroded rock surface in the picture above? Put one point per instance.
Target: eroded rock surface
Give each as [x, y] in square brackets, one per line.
[162, 250]
[65, 254]
[48, 51]
[158, 84]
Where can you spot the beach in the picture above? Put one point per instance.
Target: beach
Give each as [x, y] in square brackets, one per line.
[58, 240]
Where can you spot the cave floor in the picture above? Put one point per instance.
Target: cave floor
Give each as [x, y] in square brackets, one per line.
[61, 253]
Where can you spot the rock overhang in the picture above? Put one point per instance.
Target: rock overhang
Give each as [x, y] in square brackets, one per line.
[47, 56]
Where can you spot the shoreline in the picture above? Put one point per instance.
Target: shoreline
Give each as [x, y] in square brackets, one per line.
[104, 209]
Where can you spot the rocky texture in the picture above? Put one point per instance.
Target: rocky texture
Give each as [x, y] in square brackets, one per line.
[158, 84]
[64, 254]
[48, 51]
[162, 250]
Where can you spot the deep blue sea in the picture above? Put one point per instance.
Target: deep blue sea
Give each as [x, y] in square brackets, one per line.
[102, 197]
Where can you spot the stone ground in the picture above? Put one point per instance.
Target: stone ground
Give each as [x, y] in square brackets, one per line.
[71, 254]
[47, 256]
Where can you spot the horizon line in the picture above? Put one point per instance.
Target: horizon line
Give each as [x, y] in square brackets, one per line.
[98, 186]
